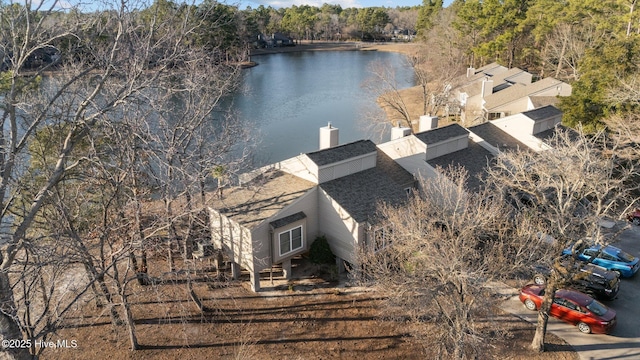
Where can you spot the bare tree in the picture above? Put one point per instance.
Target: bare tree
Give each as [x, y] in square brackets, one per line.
[565, 47]
[433, 258]
[570, 187]
[105, 65]
[434, 75]
[384, 85]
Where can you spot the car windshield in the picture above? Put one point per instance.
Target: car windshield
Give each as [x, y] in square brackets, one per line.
[626, 257]
[597, 308]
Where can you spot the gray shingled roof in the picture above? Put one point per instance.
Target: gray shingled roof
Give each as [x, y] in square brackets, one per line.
[435, 136]
[474, 158]
[496, 137]
[542, 113]
[342, 152]
[360, 193]
[287, 220]
[395, 171]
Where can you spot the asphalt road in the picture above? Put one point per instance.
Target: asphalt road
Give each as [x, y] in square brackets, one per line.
[624, 341]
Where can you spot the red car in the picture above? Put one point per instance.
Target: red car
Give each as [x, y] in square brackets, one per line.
[573, 307]
[634, 216]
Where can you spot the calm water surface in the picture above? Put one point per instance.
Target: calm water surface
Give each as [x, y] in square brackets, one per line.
[288, 97]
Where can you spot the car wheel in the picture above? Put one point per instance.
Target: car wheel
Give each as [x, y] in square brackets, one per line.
[539, 279]
[636, 221]
[529, 304]
[584, 328]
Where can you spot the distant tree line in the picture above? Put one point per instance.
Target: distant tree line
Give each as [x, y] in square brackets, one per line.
[331, 22]
[593, 45]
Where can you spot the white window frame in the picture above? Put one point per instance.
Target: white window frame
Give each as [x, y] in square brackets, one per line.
[290, 232]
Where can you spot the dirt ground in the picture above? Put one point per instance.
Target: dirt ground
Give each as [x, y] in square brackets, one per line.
[309, 317]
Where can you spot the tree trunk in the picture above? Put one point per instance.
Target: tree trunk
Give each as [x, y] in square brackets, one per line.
[561, 59]
[543, 316]
[9, 329]
[122, 290]
[631, 8]
[188, 239]
[541, 329]
[130, 323]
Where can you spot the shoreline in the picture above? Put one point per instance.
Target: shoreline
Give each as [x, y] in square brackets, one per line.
[306, 45]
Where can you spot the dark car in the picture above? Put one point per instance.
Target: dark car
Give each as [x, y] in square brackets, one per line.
[610, 258]
[587, 278]
[573, 307]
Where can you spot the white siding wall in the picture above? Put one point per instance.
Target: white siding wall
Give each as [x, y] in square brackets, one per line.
[347, 167]
[547, 124]
[262, 246]
[447, 147]
[338, 226]
[233, 238]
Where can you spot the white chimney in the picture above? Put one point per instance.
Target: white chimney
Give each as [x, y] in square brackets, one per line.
[471, 71]
[427, 122]
[328, 137]
[399, 132]
[487, 87]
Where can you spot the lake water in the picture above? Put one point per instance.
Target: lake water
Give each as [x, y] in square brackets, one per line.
[289, 96]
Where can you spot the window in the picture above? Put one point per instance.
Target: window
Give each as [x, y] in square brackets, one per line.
[608, 257]
[290, 240]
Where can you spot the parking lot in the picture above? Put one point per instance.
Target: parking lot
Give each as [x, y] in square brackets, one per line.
[624, 342]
